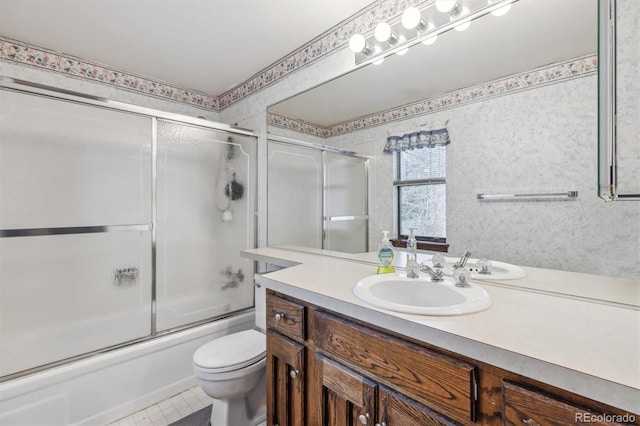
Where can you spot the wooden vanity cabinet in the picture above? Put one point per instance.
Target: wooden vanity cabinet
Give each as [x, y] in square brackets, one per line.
[324, 369]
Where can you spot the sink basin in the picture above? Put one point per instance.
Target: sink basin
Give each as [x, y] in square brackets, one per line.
[499, 270]
[421, 296]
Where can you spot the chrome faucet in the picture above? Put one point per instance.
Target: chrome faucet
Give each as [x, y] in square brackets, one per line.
[463, 261]
[436, 275]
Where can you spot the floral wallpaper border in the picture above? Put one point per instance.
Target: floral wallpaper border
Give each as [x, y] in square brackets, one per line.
[15, 51]
[574, 68]
[334, 39]
[18, 52]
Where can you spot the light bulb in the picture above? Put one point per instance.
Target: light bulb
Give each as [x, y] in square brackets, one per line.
[432, 39]
[357, 43]
[411, 18]
[401, 40]
[465, 23]
[382, 31]
[501, 10]
[445, 6]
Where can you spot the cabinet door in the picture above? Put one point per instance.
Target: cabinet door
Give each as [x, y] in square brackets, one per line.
[395, 409]
[347, 397]
[285, 381]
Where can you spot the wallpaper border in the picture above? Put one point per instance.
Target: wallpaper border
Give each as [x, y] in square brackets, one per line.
[562, 71]
[15, 51]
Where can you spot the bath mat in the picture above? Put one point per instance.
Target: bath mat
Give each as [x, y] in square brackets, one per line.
[198, 418]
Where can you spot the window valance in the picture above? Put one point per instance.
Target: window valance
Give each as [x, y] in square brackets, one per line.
[419, 139]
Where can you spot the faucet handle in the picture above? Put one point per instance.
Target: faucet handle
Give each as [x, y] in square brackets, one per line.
[463, 261]
[436, 274]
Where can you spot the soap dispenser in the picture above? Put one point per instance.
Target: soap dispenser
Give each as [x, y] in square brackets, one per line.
[385, 255]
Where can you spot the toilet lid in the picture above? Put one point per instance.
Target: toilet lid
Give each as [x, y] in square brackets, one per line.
[232, 352]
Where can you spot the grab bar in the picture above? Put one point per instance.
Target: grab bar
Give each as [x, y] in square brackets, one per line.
[338, 218]
[488, 197]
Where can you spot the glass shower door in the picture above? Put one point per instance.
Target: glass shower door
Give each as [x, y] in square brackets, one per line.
[346, 218]
[303, 183]
[75, 229]
[294, 196]
[205, 217]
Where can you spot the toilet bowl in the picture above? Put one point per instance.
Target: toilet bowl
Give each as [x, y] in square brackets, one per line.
[231, 370]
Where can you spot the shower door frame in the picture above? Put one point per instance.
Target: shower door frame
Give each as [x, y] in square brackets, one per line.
[26, 87]
[324, 149]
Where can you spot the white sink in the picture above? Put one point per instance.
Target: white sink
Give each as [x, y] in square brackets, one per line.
[421, 296]
[499, 270]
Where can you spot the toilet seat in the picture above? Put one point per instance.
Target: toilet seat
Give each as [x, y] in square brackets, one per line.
[231, 352]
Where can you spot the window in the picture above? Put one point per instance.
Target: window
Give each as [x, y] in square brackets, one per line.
[421, 185]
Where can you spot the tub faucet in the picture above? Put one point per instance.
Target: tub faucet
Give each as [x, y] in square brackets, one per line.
[463, 261]
[436, 275]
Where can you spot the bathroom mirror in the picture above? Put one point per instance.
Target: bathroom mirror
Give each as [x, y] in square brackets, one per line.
[520, 95]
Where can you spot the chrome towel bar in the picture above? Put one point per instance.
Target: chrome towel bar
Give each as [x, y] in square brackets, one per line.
[554, 195]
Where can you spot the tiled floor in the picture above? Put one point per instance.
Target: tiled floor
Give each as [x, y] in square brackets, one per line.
[169, 410]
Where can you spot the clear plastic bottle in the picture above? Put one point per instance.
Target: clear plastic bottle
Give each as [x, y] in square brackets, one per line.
[412, 246]
[412, 256]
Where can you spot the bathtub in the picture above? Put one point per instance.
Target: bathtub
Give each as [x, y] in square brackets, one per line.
[112, 385]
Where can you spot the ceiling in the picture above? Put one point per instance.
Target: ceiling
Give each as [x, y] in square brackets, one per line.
[209, 46]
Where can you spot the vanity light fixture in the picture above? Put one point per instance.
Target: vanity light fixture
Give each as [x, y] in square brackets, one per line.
[466, 23]
[430, 40]
[411, 18]
[401, 40]
[358, 44]
[500, 11]
[446, 6]
[377, 51]
[419, 26]
[383, 32]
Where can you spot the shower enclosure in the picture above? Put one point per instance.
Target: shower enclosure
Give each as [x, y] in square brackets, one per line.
[317, 196]
[118, 224]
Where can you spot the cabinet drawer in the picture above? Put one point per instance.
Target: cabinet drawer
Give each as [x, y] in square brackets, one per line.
[285, 316]
[442, 383]
[525, 406]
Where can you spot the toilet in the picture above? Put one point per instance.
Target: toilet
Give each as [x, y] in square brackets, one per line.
[231, 369]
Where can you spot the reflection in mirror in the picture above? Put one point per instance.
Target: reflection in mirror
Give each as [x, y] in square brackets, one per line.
[520, 103]
[619, 103]
[317, 197]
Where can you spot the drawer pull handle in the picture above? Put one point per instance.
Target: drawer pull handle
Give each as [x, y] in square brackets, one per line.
[280, 316]
[530, 422]
[294, 374]
[384, 413]
[364, 419]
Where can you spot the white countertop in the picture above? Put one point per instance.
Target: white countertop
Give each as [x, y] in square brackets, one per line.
[588, 348]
